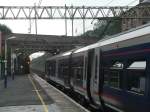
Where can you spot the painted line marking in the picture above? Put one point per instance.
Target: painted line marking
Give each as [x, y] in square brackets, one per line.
[38, 94]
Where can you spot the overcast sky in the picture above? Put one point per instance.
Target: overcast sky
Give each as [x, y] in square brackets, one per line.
[68, 2]
[56, 27]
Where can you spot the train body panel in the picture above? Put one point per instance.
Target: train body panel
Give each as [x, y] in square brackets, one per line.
[126, 78]
[113, 72]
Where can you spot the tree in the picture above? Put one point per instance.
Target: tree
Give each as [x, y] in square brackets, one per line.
[4, 29]
[104, 28]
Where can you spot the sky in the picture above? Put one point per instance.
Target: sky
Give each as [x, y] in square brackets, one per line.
[57, 27]
[67, 2]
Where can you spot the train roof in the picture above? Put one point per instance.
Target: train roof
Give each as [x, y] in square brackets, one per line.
[133, 33]
[67, 53]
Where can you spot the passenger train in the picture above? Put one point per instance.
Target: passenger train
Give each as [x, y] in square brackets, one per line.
[114, 72]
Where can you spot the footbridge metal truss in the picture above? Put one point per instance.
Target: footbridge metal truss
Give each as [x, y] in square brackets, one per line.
[71, 12]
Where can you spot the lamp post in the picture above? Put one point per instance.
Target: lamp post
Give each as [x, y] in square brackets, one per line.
[5, 61]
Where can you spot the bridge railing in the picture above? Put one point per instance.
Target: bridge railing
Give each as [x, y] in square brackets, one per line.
[72, 12]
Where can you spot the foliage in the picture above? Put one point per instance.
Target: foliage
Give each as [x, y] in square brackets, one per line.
[104, 28]
[4, 29]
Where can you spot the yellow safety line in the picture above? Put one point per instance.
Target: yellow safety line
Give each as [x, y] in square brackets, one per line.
[39, 96]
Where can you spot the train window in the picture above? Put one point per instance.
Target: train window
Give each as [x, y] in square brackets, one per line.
[59, 71]
[138, 65]
[51, 68]
[116, 75]
[136, 77]
[77, 68]
[113, 75]
[63, 69]
[79, 73]
[114, 79]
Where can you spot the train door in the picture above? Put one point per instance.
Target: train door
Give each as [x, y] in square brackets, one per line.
[85, 73]
[95, 77]
[91, 77]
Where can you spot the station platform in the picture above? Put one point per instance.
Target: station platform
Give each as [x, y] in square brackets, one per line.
[30, 93]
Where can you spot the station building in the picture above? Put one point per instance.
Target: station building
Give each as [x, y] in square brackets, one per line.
[136, 15]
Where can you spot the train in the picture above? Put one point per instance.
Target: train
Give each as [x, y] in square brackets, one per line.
[113, 72]
[20, 64]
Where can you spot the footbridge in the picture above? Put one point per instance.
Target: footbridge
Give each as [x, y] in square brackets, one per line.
[72, 12]
[30, 43]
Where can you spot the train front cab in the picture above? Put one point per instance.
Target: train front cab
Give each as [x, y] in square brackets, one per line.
[126, 79]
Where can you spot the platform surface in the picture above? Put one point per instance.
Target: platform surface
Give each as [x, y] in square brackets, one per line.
[23, 93]
[30, 93]
[65, 103]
